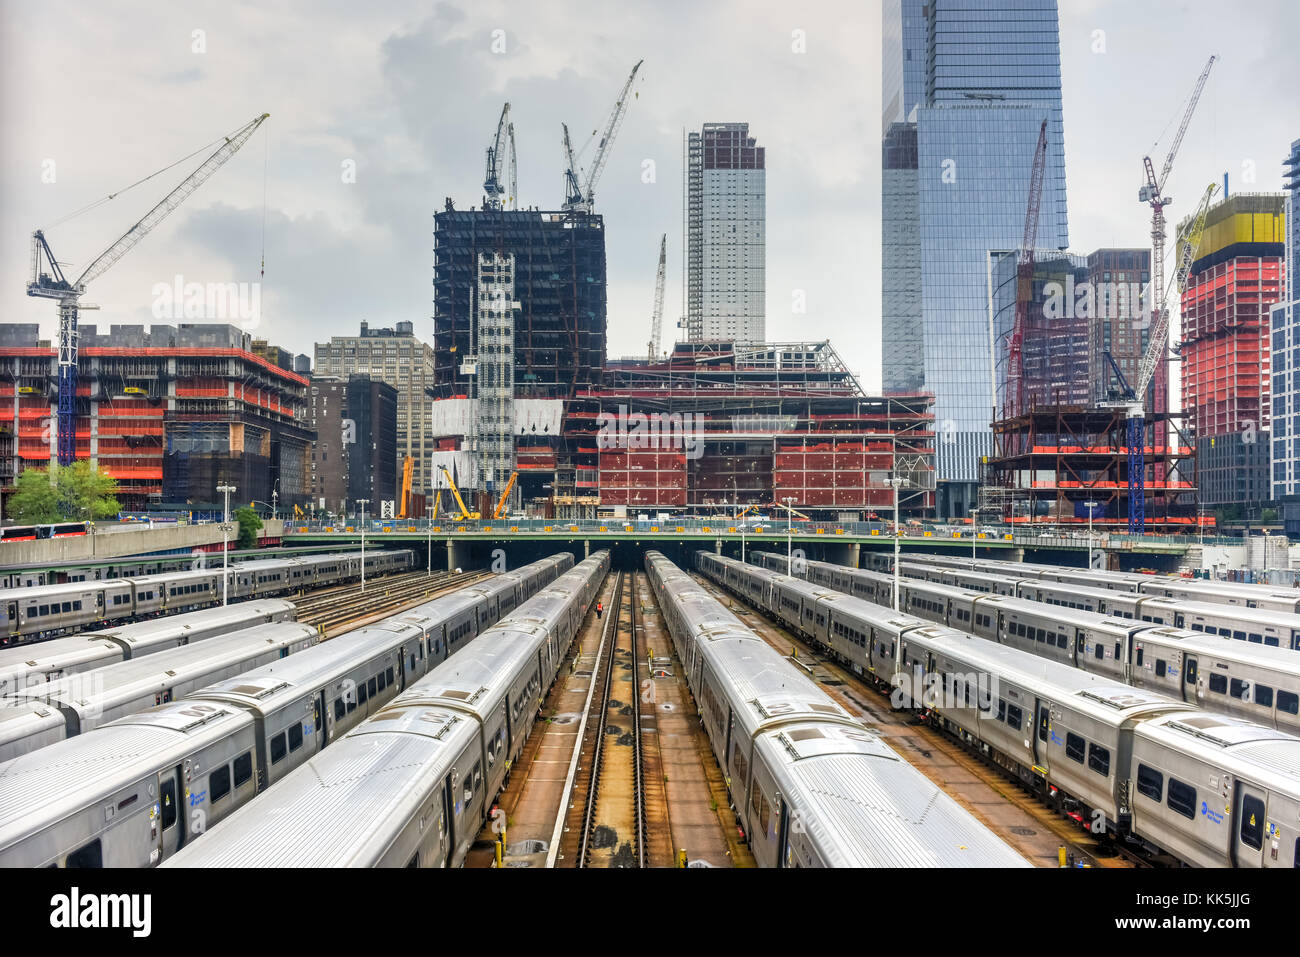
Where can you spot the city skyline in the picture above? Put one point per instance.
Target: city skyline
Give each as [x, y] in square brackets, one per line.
[337, 253]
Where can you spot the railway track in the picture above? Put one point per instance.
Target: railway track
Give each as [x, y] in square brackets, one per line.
[611, 777]
[1041, 829]
[340, 609]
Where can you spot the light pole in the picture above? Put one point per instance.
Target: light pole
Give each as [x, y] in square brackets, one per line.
[225, 544]
[1090, 505]
[896, 482]
[275, 501]
[789, 537]
[363, 502]
[428, 517]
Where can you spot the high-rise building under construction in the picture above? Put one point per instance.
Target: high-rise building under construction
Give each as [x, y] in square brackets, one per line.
[725, 238]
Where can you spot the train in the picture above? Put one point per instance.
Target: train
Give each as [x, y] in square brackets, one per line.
[810, 784]
[413, 785]
[1210, 789]
[36, 715]
[136, 790]
[1254, 681]
[30, 533]
[1269, 597]
[46, 611]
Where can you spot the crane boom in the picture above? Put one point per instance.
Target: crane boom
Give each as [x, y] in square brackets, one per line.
[496, 158]
[587, 191]
[1015, 398]
[572, 189]
[1187, 119]
[514, 172]
[657, 317]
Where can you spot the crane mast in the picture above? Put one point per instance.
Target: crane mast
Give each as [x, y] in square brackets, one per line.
[53, 284]
[581, 198]
[501, 153]
[1015, 398]
[657, 317]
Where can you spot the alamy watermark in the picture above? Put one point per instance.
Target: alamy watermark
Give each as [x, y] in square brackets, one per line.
[657, 430]
[236, 302]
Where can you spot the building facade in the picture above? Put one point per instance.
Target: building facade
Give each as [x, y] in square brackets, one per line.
[725, 235]
[355, 452]
[1235, 280]
[394, 356]
[1285, 356]
[169, 412]
[976, 133]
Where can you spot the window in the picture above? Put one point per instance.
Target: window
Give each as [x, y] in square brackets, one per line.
[1160, 667]
[219, 783]
[278, 750]
[1288, 702]
[1074, 747]
[339, 709]
[1150, 782]
[1264, 696]
[371, 686]
[1252, 822]
[1238, 688]
[1139, 659]
[1014, 717]
[1099, 759]
[91, 855]
[168, 803]
[1182, 798]
[361, 694]
[1100, 651]
[389, 674]
[243, 768]
[1219, 684]
[295, 736]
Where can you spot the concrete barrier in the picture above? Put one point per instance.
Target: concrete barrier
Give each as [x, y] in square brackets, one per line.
[120, 543]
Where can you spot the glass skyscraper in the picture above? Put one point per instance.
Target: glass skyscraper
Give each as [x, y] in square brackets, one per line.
[974, 80]
[1285, 356]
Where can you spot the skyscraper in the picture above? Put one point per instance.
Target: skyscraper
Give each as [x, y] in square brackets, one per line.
[973, 81]
[1286, 359]
[726, 235]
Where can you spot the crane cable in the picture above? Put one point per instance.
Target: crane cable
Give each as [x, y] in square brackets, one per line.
[266, 159]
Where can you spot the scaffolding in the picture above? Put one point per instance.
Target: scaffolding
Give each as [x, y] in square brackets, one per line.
[494, 381]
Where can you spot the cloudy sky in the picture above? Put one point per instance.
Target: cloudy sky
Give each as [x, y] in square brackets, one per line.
[94, 97]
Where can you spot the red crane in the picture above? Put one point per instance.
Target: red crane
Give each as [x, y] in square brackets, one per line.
[1014, 401]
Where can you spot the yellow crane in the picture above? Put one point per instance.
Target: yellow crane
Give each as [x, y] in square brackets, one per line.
[465, 514]
[407, 468]
[505, 495]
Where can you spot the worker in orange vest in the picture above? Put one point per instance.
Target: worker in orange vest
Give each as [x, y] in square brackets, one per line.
[599, 608]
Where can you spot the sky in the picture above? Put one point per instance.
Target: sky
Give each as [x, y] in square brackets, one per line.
[379, 111]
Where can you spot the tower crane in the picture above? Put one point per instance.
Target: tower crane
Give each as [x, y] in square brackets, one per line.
[1014, 401]
[1134, 396]
[500, 178]
[657, 317]
[580, 197]
[54, 285]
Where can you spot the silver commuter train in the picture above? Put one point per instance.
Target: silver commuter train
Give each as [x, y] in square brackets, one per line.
[46, 611]
[134, 791]
[1055, 727]
[811, 785]
[1252, 681]
[41, 714]
[411, 786]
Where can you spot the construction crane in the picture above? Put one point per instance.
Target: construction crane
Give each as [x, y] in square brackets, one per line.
[1152, 191]
[1014, 401]
[54, 285]
[500, 178]
[465, 514]
[1134, 396]
[581, 197]
[505, 495]
[657, 317]
[408, 467]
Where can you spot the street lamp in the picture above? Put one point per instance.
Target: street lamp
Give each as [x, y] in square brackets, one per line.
[225, 544]
[363, 502]
[428, 517]
[789, 536]
[896, 482]
[1090, 505]
[275, 501]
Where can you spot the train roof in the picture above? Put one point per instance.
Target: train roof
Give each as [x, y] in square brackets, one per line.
[173, 627]
[1278, 660]
[1269, 757]
[59, 654]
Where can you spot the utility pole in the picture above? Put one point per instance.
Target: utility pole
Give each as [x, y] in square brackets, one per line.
[363, 502]
[428, 518]
[789, 536]
[225, 545]
[1090, 505]
[896, 482]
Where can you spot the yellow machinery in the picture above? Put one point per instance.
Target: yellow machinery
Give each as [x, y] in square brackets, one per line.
[465, 514]
[505, 495]
[407, 467]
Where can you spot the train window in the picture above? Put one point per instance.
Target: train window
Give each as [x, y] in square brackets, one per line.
[243, 766]
[361, 694]
[1139, 661]
[371, 686]
[1182, 798]
[1238, 688]
[1288, 701]
[1014, 717]
[1099, 759]
[219, 783]
[168, 801]
[1044, 723]
[1239, 635]
[388, 675]
[1264, 696]
[1061, 641]
[1252, 822]
[1002, 710]
[1252, 637]
[1100, 651]
[1117, 651]
[1219, 684]
[1150, 782]
[1190, 671]
[339, 709]
[45, 610]
[381, 681]
[1161, 667]
[1271, 641]
[1074, 748]
[295, 736]
[91, 855]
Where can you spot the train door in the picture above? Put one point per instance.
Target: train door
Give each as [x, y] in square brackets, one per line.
[1253, 828]
[1044, 730]
[13, 618]
[783, 858]
[1192, 690]
[401, 667]
[169, 810]
[319, 713]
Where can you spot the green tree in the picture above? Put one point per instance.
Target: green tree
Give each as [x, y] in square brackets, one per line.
[249, 525]
[1268, 516]
[76, 492]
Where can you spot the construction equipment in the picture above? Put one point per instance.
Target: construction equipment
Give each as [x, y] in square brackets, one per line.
[1134, 396]
[404, 509]
[465, 514]
[657, 317]
[505, 495]
[1014, 401]
[501, 175]
[54, 285]
[581, 197]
